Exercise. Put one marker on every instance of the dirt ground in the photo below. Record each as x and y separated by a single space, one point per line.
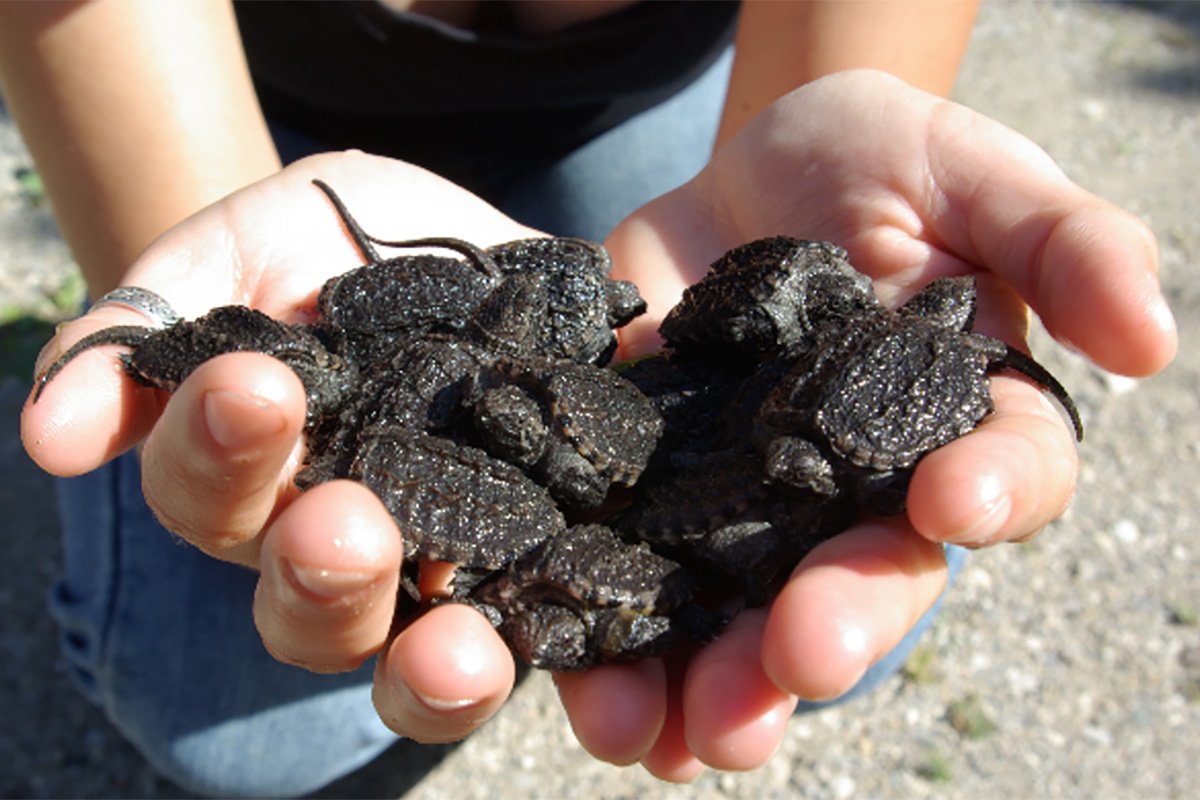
1065 667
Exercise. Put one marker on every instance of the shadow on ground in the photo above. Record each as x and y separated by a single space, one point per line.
1180 31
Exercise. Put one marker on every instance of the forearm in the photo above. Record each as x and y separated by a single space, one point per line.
137 114
782 45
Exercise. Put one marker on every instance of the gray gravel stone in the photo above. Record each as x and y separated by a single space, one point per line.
1081 647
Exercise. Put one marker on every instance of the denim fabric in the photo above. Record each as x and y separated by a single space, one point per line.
162 636
587 193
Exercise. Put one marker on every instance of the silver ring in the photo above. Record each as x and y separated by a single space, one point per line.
145 302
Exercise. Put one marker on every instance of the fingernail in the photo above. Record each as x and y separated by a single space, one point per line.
834 694
330 584
1160 312
442 705
240 422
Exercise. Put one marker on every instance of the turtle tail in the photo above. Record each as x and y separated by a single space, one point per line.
129 335
364 240
1018 361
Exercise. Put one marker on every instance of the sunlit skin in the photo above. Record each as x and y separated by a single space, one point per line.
946 192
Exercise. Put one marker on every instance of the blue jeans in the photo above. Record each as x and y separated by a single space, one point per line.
162 636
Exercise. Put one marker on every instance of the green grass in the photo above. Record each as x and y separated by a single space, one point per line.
921 667
968 718
1184 614
33 191
935 768
24 329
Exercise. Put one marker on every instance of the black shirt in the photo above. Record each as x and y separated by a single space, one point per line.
477 105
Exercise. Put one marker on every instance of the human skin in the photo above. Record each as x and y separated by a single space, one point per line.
781 45
946 192
137 114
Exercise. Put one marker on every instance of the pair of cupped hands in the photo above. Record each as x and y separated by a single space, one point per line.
912 186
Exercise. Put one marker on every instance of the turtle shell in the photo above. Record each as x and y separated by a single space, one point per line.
588 567
768 295
906 391
698 496
583 303
883 393
603 416
369 312
453 502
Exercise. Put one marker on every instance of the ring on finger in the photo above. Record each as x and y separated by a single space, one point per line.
147 303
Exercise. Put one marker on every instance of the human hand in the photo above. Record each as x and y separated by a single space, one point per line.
220 453
914 188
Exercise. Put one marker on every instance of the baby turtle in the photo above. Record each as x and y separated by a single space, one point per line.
769 296
596 428
163 357
585 597
583 305
719 514
879 391
390 300
452 502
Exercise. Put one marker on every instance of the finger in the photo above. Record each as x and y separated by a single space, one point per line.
90 412
1005 480
735 715
848 603
330 572
616 710
443 676
663 247
213 468
1097 291
670 758
1087 267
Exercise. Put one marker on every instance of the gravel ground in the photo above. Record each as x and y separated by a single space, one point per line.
1065 667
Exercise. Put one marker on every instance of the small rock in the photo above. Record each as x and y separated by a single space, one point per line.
1126 531
1118 384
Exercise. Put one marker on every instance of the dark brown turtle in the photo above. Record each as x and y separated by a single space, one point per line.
720 512
585 597
769 296
583 305
452 502
879 391
163 357
367 311
599 429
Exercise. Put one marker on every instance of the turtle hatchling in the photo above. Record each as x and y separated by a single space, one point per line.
586 597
